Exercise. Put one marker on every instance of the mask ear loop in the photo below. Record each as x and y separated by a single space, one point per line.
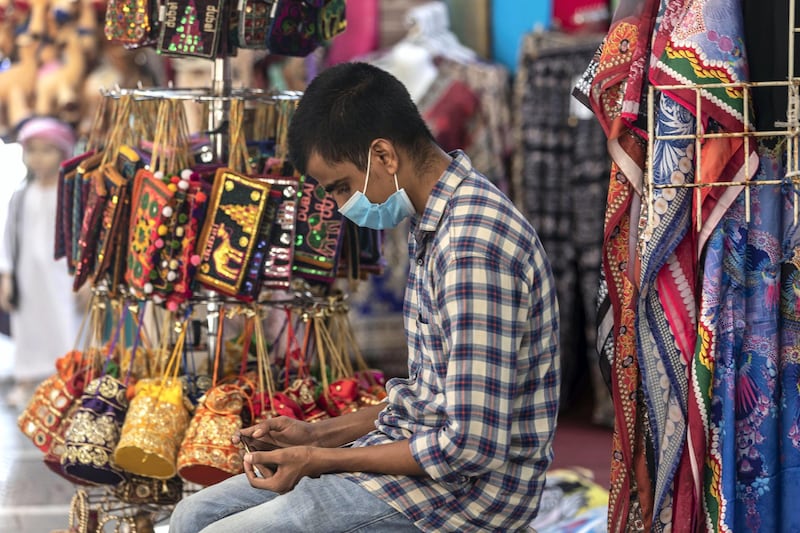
369 165
396 186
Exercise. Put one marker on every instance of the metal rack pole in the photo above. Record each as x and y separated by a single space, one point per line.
218 124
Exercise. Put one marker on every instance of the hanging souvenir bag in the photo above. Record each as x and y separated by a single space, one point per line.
158 194
240 160
172 250
284 187
150 207
318 237
318 223
118 179
46 412
94 430
90 229
253 23
298 382
130 22
157 418
331 19
44 419
293 28
65 190
230 231
182 265
207 454
73 189
122 164
135 489
192 28
52 458
104 184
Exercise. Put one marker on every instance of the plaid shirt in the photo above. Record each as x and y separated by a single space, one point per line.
479 405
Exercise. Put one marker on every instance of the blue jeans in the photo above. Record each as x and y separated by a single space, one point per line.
327 504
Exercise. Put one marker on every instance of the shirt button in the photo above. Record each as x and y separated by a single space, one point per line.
420 262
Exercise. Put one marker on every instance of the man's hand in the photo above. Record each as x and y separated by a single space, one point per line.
280 432
280 470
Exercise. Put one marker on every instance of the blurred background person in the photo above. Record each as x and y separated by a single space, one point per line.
34 288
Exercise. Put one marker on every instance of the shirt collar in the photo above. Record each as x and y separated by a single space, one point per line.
458 169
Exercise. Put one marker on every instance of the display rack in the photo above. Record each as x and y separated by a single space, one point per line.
299 297
788 132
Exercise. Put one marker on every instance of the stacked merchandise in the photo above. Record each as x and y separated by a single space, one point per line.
168 226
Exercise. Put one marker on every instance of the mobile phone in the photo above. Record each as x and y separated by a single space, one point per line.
256 445
246 442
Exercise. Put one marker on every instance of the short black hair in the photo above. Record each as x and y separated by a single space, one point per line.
348 106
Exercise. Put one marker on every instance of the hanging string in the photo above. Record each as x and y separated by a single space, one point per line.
101 124
286 110
264 122
171 152
238 156
121 131
139 321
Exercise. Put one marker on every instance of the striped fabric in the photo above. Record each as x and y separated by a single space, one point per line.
479 406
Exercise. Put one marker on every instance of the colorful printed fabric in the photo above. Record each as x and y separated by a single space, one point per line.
665 321
747 364
702 42
618 65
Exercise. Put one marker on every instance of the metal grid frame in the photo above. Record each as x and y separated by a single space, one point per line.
788 130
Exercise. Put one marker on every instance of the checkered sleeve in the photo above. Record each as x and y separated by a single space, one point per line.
483 308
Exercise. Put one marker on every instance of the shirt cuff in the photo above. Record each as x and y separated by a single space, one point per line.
427 452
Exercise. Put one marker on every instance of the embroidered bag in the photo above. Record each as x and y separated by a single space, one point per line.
192 28
94 430
157 418
129 22
44 420
230 231
207 454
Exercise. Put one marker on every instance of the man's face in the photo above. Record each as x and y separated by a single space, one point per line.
342 180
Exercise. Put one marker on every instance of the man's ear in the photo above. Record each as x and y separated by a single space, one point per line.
385 154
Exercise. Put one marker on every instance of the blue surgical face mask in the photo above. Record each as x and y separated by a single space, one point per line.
378 216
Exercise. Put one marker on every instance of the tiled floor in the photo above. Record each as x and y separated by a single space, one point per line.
34 500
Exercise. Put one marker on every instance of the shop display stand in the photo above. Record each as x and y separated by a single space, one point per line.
100 499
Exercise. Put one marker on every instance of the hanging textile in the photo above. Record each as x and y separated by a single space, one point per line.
491 140
706 401
612 87
560 178
748 360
